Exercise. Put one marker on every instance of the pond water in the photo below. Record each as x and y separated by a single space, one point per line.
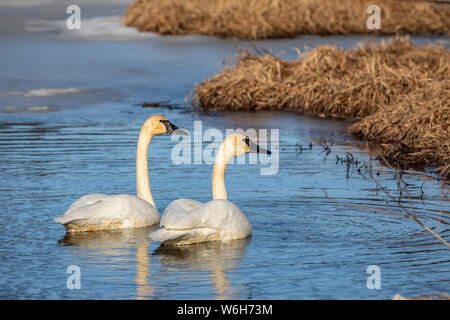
308 241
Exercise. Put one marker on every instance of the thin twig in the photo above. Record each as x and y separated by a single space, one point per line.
412 215
363 207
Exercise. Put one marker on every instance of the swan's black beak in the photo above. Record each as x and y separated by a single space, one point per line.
254 148
171 128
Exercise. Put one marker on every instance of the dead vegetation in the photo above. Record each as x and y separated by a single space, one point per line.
261 19
432 296
415 131
399 92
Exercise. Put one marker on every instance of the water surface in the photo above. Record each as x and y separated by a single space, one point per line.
58 146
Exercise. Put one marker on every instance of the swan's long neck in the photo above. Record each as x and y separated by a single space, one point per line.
142 183
224 155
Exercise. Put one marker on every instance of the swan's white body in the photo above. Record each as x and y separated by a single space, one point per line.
102 212
187 221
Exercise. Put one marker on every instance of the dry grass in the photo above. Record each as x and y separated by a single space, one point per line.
433 296
400 93
415 131
260 19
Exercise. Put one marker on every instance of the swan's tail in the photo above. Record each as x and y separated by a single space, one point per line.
164 235
181 237
62 220
58 220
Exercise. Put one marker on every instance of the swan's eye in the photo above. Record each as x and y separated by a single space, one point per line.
255 148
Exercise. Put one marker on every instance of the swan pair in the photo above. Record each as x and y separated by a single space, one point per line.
184 221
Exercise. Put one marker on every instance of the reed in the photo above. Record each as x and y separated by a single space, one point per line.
399 92
261 19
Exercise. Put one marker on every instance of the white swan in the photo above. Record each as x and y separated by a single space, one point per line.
102 212
187 221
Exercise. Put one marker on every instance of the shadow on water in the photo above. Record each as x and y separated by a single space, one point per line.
107 243
105 239
216 258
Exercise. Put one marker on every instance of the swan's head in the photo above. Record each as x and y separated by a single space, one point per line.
240 144
159 125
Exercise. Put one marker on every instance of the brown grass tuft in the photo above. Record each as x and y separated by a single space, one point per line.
433 296
400 93
414 131
260 19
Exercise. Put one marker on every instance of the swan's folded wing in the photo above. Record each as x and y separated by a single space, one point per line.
87 200
210 215
177 210
94 210
215 220
86 210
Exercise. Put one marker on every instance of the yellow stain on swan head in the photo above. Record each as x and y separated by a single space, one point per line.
236 144
239 144
158 124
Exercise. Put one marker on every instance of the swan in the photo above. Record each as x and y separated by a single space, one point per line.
121 211
187 221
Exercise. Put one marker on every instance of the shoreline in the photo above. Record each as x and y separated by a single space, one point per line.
399 93
265 19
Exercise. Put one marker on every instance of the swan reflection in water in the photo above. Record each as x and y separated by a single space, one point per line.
115 245
217 258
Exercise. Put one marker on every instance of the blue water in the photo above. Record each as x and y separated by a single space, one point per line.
305 245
